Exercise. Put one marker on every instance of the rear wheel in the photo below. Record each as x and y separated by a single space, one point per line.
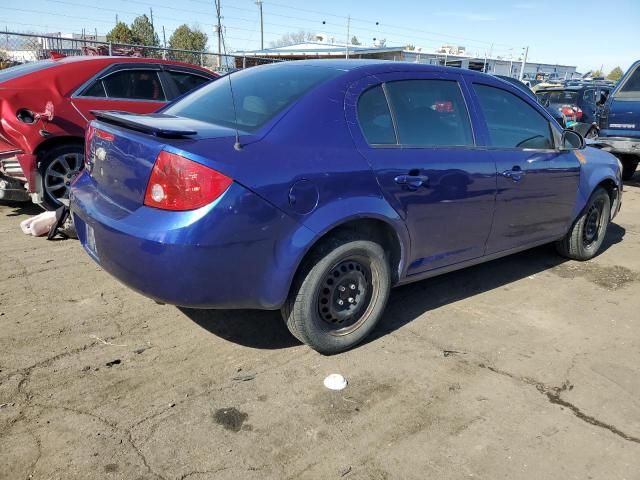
340 294
585 238
58 167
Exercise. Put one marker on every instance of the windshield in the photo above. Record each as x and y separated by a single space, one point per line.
259 93
630 90
19 70
558 97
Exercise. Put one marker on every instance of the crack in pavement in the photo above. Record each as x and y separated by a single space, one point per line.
553 394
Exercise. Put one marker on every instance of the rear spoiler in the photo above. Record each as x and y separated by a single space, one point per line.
157 124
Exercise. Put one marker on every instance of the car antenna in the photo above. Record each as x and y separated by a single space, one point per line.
237 145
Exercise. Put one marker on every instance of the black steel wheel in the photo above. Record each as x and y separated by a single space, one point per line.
584 239
339 294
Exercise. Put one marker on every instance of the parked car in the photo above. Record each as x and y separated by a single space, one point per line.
328 183
579 104
557 114
41 148
620 121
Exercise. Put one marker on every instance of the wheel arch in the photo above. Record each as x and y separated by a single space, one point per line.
57 141
391 235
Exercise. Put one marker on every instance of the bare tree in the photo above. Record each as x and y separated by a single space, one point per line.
292 38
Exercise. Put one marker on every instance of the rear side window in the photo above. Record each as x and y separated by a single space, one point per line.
430 113
134 85
260 93
185 82
95 90
375 117
511 121
631 88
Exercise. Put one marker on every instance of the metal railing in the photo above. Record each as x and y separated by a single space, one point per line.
17 48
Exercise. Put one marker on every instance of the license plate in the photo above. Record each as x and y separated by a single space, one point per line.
91 240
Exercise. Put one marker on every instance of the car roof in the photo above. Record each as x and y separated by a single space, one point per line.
370 66
122 59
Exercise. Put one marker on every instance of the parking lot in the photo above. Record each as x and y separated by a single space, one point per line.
525 367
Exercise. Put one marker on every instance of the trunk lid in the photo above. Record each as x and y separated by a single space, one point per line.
121 150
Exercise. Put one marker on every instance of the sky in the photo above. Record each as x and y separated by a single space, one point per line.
587 33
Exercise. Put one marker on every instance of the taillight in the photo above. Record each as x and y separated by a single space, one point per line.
578 113
88 138
568 111
177 183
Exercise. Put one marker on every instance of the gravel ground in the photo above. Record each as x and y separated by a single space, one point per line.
526 367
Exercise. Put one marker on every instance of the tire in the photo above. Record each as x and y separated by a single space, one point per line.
629 165
342 269
585 237
58 167
591 133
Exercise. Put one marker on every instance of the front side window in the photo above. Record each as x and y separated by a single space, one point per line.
630 90
375 118
430 113
134 85
511 121
589 96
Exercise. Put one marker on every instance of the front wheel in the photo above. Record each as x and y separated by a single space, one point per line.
340 294
585 238
58 168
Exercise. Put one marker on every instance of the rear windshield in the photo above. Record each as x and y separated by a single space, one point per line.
19 70
259 93
559 97
630 90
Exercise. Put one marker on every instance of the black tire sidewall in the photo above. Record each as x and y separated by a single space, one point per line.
577 248
307 324
48 202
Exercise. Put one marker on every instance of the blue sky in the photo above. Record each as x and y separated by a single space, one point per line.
586 33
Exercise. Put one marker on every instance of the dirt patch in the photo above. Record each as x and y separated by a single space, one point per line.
231 419
609 277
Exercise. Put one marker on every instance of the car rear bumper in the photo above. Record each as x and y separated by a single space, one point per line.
239 252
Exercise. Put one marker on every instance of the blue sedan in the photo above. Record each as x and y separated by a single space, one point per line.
315 186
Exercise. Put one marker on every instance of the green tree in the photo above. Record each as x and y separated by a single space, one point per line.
292 38
187 38
355 41
597 73
615 74
121 33
410 47
143 32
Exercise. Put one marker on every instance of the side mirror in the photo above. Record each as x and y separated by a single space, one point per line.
571 141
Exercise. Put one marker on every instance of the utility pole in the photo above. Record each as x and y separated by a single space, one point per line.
164 38
151 18
259 3
524 62
116 18
219 31
346 55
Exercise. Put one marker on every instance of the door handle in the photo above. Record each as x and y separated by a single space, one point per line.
516 173
412 182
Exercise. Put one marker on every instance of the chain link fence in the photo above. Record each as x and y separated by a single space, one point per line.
19 48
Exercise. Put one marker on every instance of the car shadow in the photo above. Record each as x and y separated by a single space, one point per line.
408 302
21 208
266 330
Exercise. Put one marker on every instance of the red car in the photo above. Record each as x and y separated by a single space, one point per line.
45 107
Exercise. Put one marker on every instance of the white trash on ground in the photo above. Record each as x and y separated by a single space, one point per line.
38 225
335 381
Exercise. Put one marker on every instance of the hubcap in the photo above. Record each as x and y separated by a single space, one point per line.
60 173
345 295
593 222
